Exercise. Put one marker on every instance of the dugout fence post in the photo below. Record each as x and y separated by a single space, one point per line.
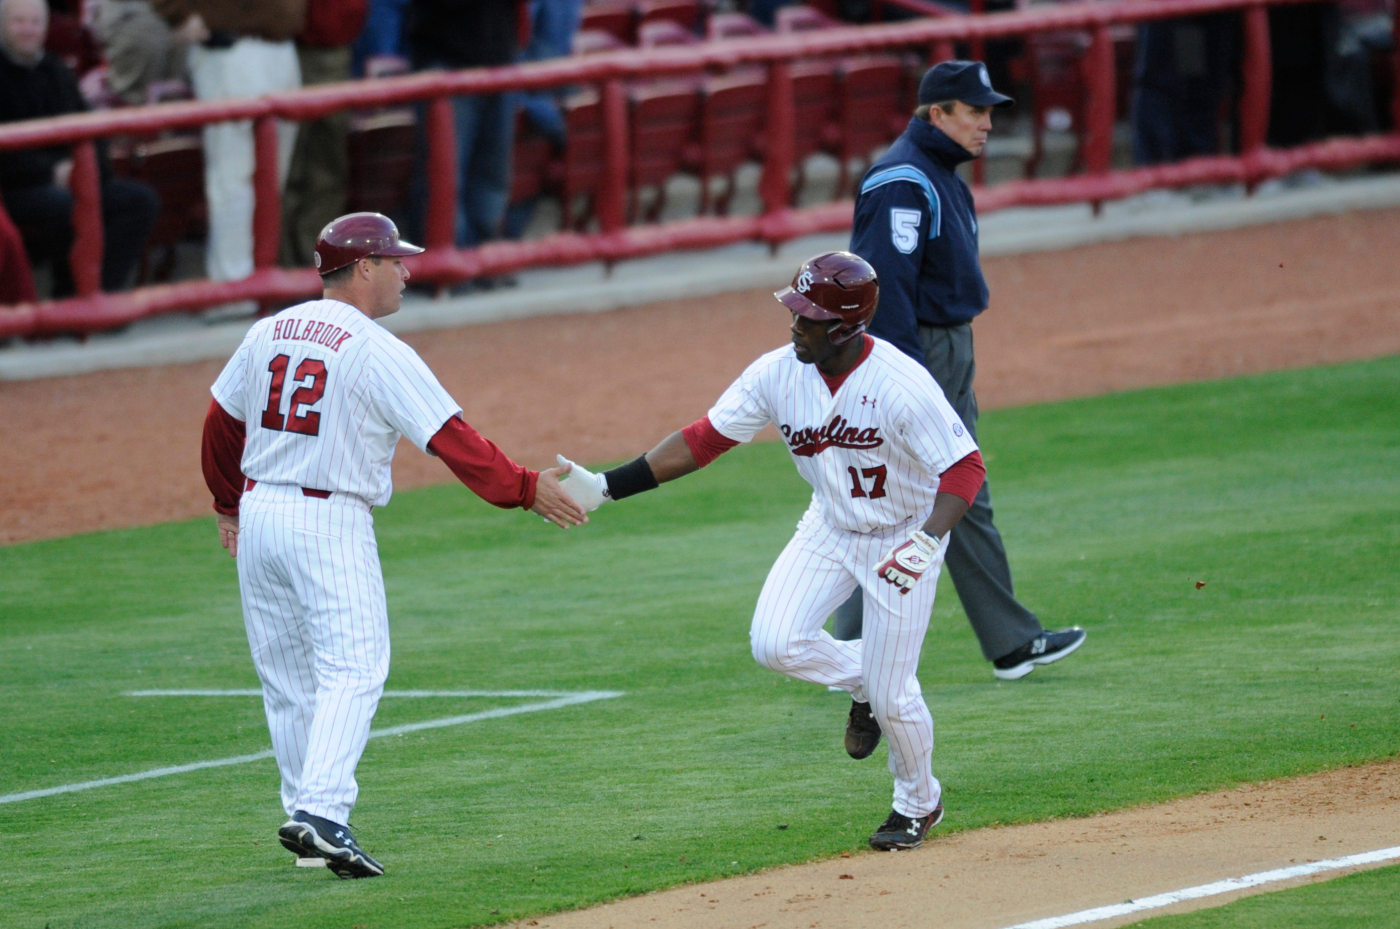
1101 105
85 257
977 51
1256 70
440 225
267 197
610 204
775 186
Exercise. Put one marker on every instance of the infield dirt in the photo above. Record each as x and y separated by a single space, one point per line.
122 448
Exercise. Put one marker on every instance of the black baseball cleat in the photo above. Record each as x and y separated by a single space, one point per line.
862 731
1046 648
905 832
308 836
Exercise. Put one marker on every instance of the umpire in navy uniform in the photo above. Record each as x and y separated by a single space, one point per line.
916 223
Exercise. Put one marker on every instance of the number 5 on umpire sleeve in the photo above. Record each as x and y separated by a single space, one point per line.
904 229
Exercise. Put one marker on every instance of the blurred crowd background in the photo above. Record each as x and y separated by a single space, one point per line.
1178 83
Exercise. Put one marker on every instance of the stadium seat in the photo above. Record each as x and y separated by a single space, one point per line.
662 131
592 41
174 166
802 19
868 107
733 26
617 17
1052 66
733 110
684 13
531 156
580 171
661 33
814 99
168 91
381 153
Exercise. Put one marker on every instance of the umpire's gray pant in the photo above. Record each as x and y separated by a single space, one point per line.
976 560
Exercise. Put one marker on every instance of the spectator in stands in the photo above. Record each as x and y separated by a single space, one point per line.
140 48
35 182
450 34
1185 69
238 50
320 163
553 24
384 35
1321 75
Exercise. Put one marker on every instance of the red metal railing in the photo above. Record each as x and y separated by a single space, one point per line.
92 310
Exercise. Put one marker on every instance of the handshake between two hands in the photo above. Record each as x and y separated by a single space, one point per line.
567 494
585 488
902 567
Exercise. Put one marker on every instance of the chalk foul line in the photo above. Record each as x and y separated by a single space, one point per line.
560 700
1211 890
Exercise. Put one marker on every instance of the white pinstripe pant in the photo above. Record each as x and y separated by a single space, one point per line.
816 572
318 628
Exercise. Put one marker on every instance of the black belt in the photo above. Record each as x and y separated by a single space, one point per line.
305 491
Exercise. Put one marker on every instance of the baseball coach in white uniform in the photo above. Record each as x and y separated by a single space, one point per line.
297 450
892 469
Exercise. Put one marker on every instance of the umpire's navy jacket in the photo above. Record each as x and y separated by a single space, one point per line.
915 223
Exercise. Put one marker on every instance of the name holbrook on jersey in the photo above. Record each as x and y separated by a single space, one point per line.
837 433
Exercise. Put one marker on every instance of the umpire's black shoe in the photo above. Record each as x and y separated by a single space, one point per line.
308 836
900 831
862 731
1046 648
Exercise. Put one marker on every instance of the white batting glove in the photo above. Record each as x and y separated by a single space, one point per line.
585 487
908 562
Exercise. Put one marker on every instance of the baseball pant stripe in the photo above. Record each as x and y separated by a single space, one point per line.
817 570
318 627
804 585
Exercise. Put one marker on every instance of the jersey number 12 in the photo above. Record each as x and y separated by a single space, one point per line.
304 395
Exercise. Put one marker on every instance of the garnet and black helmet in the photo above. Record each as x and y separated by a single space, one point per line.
838 287
354 236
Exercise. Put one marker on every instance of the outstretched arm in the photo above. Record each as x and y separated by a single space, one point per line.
672 458
493 477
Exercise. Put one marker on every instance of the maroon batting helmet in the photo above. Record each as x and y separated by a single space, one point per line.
359 235
836 286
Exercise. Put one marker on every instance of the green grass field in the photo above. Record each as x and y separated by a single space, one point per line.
1370 899
1282 492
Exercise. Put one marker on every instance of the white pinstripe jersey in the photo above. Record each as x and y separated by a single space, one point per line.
872 452
326 392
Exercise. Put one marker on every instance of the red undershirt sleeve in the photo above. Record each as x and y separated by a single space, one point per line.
964 478
483 467
706 443
221 456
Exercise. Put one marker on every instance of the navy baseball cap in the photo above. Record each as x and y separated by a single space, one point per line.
967 81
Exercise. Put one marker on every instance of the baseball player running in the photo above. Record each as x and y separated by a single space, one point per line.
892 470
298 444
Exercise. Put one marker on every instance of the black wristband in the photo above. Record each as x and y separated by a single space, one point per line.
631 478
